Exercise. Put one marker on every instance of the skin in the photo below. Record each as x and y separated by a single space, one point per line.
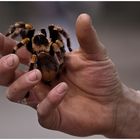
89 97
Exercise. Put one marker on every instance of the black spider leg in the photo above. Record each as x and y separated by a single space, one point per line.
56 38
43 31
15 29
14 34
55 34
52 53
33 60
20 44
10 30
30 35
31 67
64 33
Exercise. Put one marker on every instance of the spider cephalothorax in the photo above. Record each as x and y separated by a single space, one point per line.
47 54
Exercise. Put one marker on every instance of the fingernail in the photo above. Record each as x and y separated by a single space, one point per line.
10 60
33 75
62 88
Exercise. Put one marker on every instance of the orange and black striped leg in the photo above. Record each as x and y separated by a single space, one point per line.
32 62
31 67
10 30
65 34
57 56
20 44
69 45
15 34
67 39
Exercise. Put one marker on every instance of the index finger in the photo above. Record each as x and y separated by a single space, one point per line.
6 46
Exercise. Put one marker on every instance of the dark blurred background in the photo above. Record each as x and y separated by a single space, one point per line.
118 26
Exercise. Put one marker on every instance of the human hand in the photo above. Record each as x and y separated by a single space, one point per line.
8 63
85 101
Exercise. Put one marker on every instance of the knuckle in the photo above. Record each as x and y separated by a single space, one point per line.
49 120
41 122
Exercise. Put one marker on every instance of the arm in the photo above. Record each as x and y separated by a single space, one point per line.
127 115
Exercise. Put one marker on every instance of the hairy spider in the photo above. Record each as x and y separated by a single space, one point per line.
47 54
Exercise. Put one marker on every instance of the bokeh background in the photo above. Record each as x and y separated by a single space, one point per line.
118 26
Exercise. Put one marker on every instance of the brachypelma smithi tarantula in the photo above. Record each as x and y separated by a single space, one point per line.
47 53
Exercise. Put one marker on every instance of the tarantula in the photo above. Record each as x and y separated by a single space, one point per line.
47 54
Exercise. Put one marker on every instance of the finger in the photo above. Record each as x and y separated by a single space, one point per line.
47 112
8 64
24 55
17 90
88 39
6 46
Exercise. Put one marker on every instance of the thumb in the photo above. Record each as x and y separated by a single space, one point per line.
48 112
88 39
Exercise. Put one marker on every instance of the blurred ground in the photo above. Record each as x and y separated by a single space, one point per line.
118 26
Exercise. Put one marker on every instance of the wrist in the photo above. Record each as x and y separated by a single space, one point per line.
127 115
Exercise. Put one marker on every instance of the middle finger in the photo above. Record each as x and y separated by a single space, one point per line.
19 88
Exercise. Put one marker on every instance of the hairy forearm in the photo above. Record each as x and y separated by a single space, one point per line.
127 120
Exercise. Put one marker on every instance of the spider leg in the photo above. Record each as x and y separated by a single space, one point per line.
31 67
60 62
20 44
17 28
32 62
14 34
14 30
57 52
64 34
60 45
10 30
43 31
58 56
